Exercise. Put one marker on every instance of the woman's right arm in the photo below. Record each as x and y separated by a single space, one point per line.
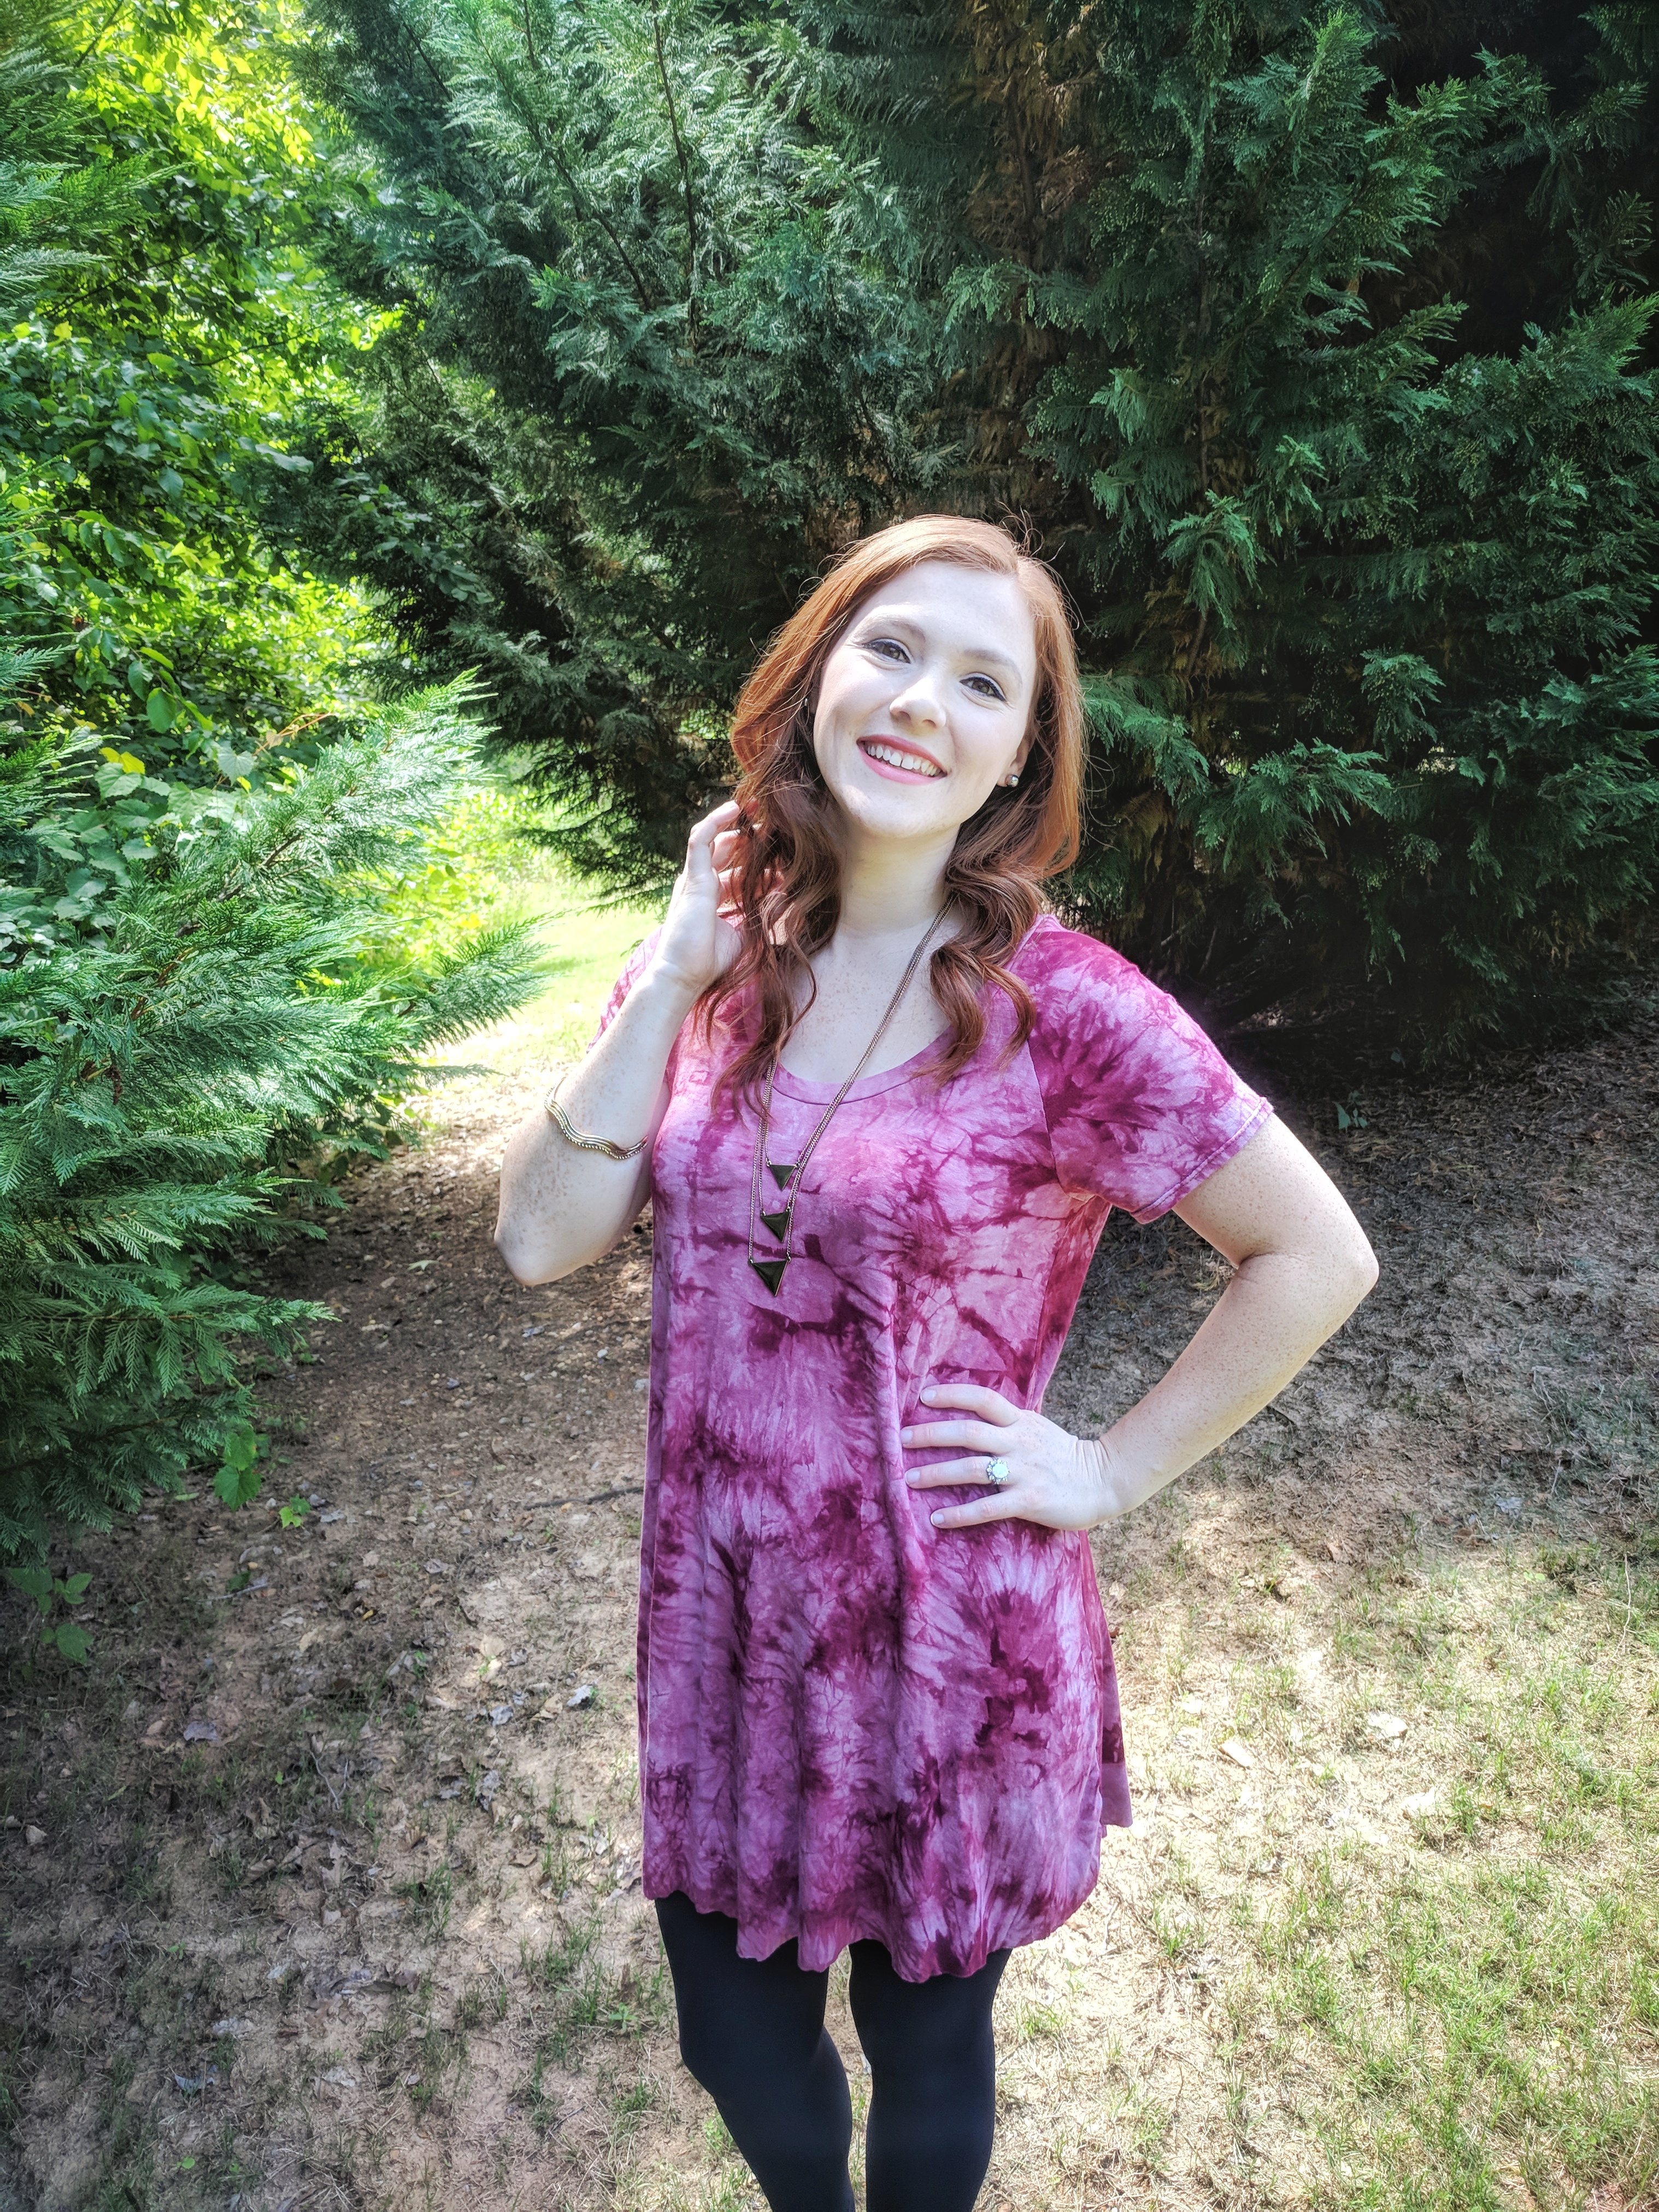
562 1208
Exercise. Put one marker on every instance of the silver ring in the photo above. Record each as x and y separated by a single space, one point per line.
998 1471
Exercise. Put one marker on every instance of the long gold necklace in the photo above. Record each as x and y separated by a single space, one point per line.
788 1174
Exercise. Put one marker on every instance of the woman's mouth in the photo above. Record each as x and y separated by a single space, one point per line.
902 762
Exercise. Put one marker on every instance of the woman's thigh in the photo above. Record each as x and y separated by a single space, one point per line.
738 2017
945 2021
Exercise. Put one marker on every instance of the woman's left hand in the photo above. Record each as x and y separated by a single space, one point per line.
1054 1479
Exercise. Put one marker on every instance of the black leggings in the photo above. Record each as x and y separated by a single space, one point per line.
751 2031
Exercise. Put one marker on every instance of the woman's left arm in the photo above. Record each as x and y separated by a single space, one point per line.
1301 1263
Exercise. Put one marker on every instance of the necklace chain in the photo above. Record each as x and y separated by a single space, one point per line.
788 1173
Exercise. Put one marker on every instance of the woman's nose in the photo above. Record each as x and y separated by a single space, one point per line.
919 702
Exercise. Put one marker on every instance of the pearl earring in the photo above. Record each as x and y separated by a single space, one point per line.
1014 779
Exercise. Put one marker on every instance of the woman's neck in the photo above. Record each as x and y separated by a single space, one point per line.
889 888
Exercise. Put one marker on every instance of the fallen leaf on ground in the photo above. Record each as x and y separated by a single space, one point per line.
1388 1725
1240 1753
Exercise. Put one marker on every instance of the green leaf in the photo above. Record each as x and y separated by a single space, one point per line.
160 711
241 1447
237 1486
33 1582
71 1641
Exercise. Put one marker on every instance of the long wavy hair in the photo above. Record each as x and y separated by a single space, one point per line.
786 875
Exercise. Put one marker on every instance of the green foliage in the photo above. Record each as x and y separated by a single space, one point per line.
51 1592
237 1482
687 296
204 999
164 1080
172 328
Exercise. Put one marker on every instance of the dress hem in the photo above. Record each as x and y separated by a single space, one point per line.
815 1956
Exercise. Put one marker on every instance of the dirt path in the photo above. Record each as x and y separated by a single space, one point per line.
338 1900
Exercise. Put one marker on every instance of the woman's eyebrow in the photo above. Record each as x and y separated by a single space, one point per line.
1002 659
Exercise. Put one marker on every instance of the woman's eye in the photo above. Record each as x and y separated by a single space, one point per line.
889 645
990 690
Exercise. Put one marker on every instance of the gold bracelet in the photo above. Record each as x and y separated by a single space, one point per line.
568 1129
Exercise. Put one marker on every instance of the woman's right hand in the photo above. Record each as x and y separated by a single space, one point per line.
697 942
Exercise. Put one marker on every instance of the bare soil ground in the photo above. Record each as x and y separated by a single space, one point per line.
336 1898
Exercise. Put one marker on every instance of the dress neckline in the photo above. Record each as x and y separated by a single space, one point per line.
795 1086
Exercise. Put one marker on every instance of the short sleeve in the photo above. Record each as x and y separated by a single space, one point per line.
633 968
1141 1107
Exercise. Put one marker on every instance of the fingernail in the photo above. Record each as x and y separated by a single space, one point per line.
937 1520
928 1392
905 1434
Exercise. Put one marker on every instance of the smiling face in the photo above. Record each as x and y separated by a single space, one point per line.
923 705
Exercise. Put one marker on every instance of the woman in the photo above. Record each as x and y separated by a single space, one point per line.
876 1697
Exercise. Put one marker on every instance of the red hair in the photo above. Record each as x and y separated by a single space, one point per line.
786 877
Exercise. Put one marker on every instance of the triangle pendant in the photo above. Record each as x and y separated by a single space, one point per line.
782 1171
770 1271
778 1223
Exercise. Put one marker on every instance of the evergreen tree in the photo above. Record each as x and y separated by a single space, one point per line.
163 321
201 983
1365 579
1378 702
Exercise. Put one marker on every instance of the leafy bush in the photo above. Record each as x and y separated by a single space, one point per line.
162 1076
203 988
171 330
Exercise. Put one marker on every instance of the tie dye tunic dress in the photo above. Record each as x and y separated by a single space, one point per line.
852 1723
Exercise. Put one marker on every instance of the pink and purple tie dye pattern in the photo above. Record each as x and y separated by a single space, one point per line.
852 1723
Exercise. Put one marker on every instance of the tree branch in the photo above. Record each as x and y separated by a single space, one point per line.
680 155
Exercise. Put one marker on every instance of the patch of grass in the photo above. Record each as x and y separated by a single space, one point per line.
555 1865
1039 2023
1486 2009
379 2046
433 1896
428 2058
629 2105
588 942
574 1997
